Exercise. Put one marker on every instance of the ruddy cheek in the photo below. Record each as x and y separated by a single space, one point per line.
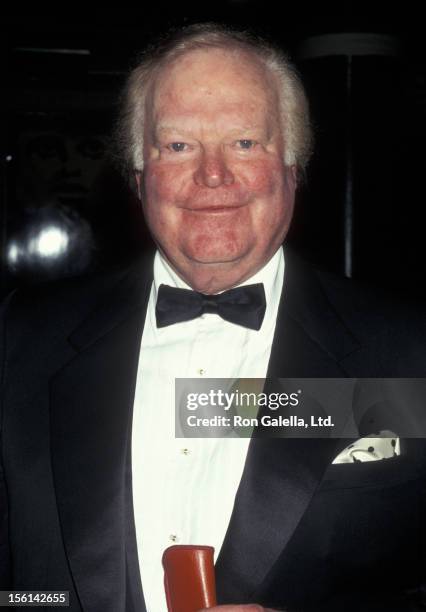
159 184
263 177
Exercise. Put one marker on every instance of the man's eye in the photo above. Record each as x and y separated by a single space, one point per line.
177 147
246 144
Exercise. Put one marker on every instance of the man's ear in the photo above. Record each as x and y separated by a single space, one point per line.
138 179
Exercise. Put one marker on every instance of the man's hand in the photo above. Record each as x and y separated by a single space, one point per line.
243 608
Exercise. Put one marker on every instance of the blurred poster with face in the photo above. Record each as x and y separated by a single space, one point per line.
49 233
57 167
67 210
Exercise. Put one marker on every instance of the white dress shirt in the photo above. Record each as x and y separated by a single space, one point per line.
184 489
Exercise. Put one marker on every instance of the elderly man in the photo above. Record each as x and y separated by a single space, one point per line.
215 129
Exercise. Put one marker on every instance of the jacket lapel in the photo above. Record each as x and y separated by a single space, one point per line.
281 475
91 414
310 338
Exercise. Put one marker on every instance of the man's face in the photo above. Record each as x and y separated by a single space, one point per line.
216 194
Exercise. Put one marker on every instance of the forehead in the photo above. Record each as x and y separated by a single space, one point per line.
214 82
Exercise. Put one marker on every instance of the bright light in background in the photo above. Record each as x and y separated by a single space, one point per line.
13 253
52 241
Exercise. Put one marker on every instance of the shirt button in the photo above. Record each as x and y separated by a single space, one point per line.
201 372
173 537
185 451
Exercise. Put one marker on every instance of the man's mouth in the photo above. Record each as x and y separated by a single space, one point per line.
216 209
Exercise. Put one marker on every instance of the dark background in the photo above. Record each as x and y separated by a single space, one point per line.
66 211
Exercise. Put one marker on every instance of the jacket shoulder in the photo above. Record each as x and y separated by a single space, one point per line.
55 308
369 311
377 333
390 330
38 323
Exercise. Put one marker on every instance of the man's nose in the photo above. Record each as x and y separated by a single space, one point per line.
213 170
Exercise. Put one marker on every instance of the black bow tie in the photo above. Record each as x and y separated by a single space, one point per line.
243 305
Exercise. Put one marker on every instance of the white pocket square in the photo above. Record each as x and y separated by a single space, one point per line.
371 448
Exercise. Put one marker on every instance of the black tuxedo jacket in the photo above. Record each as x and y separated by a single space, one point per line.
304 534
